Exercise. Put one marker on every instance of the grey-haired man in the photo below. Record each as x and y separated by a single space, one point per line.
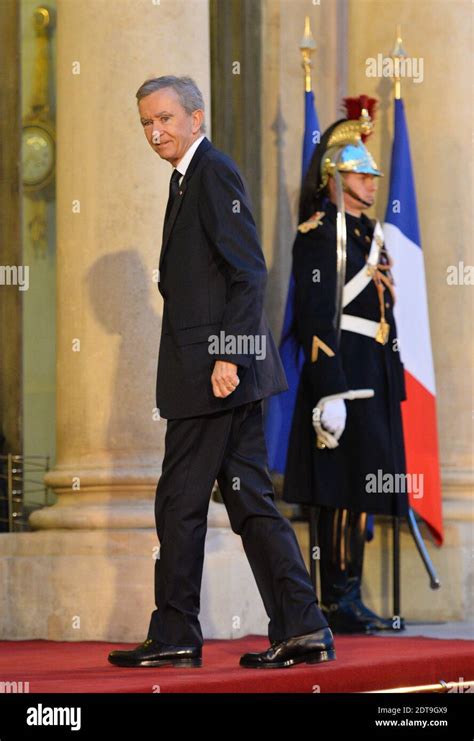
212 279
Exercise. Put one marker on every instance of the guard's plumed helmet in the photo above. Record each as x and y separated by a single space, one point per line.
341 147
350 135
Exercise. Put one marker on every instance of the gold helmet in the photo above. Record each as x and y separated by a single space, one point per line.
344 148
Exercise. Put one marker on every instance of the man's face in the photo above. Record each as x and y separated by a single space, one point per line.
365 186
169 129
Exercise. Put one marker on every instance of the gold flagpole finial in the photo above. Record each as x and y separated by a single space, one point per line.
398 54
307 48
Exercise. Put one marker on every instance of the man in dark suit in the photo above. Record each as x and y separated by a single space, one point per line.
217 361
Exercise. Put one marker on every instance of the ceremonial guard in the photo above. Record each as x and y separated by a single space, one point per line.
347 422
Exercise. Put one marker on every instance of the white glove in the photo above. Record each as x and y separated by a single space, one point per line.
333 417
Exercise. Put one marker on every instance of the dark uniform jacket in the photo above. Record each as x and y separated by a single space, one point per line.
373 437
212 279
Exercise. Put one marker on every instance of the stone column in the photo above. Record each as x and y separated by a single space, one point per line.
111 194
90 573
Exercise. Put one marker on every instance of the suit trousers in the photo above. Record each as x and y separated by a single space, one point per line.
228 446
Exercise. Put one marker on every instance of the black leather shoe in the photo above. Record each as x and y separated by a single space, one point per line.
312 648
155 653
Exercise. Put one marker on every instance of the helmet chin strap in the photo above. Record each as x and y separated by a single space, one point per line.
354 195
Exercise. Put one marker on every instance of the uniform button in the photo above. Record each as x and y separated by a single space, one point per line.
357 232
387 305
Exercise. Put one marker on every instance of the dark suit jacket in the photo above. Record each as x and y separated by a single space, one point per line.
212 279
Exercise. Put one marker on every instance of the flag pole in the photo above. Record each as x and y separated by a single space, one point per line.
398 55
307 49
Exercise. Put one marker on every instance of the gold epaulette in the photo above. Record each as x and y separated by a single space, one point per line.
312 223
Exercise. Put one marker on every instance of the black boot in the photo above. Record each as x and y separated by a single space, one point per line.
333 533
357 539
342 536
353 602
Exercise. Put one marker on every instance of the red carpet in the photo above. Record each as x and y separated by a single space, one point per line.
363 664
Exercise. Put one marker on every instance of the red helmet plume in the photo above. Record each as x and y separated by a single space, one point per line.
354 106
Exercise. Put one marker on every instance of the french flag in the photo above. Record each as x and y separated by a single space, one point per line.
280 408
402 238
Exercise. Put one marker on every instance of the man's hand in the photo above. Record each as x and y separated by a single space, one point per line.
224 378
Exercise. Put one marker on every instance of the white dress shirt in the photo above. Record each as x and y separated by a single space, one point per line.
184 162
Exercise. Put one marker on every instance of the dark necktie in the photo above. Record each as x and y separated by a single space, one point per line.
174 189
